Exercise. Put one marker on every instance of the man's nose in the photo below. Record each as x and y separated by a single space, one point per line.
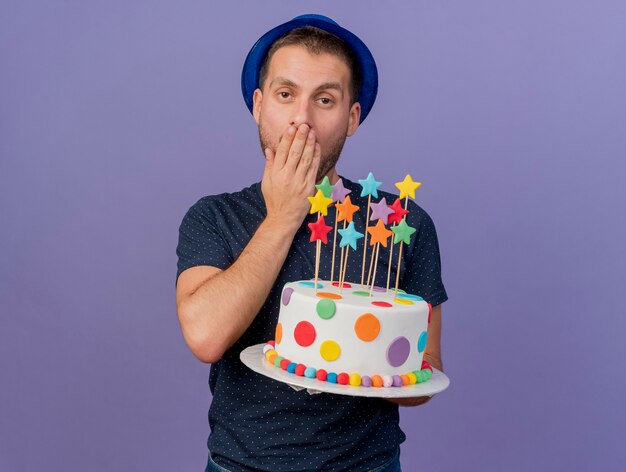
302 114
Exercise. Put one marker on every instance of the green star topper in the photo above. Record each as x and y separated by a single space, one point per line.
402 232
325 187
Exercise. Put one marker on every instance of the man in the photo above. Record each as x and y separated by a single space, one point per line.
308 83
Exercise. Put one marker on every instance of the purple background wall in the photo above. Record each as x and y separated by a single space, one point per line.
115 117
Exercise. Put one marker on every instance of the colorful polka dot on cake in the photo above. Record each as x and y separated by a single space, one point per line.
421 342
409 296
287 295
330 350
304 333
309 284
279 333
382 304
402 302
332 296
398 351
326 308
367 327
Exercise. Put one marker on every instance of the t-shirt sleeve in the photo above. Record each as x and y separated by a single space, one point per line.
200 241
423 275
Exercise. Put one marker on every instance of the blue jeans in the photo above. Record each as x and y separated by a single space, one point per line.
393 465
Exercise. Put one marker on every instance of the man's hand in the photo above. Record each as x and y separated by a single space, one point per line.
289 176
411 401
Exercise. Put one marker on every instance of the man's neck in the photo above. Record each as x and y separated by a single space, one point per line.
332 176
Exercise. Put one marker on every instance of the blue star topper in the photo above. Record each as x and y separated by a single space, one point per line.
370 186
349 236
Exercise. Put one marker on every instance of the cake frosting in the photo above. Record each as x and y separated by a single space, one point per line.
351 336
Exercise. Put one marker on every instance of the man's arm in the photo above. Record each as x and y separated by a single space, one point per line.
216 306
432 355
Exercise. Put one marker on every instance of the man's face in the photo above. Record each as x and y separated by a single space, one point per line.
307 88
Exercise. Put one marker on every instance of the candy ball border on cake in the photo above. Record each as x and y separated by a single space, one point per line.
343 378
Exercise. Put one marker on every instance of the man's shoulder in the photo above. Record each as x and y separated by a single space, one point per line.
248 195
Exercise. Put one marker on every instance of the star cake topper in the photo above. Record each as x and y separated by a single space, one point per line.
319 230
379 234
319 203
407 187
403 232
349 236
346 210
325 187
339 192
398 212
370 186
380 211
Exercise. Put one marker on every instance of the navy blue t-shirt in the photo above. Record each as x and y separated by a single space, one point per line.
259 424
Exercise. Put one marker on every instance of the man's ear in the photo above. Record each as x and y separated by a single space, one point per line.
355 116
257 98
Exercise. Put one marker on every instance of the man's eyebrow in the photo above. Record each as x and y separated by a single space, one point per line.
282 81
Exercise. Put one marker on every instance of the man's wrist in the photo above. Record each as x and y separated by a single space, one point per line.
281 226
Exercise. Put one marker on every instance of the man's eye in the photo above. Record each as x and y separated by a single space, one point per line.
326 101
284 94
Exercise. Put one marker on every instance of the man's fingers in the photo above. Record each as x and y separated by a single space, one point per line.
311 176
297 146
307 157
282 150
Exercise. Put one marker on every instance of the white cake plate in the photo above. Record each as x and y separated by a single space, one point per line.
253 358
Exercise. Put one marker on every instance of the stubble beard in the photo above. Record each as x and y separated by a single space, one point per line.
328 159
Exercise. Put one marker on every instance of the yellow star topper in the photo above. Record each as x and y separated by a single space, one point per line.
320 203
407 187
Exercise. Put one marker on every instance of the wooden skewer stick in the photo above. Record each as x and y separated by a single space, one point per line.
345 266
398 269
317 262
332 264
390 260
369 272
375 265
341 269
367 222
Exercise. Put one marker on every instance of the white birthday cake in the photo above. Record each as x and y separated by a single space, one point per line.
369 338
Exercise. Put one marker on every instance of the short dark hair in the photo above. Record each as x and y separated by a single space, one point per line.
317 41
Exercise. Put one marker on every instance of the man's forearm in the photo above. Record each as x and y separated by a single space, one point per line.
218 312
